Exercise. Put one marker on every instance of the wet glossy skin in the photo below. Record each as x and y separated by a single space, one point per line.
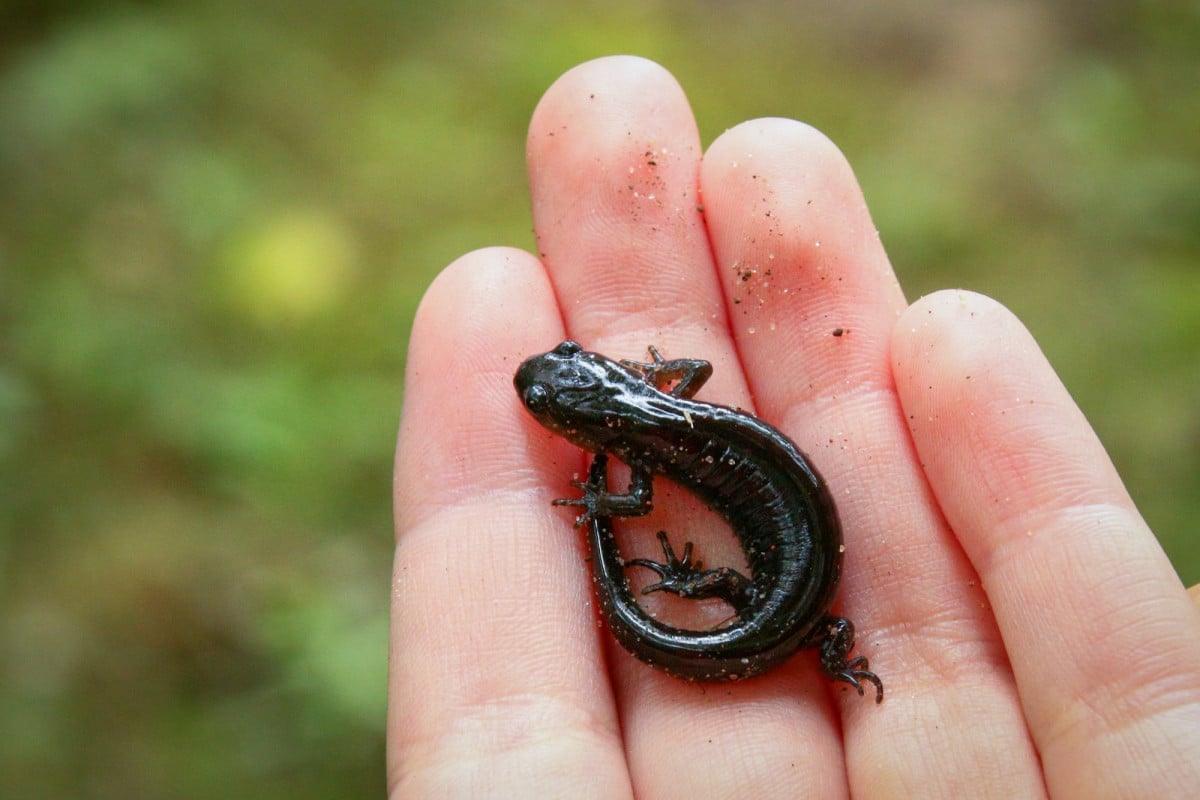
745 470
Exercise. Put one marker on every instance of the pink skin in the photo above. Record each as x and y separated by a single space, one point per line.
1033 638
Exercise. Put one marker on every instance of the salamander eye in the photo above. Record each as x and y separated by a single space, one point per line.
568 348
537 397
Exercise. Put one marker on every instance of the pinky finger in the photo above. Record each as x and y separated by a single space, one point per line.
1102 638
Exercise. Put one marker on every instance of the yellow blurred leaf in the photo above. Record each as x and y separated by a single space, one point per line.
292 268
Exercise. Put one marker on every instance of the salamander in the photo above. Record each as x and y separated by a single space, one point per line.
753 476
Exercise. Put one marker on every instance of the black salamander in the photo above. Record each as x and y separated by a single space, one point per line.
745 470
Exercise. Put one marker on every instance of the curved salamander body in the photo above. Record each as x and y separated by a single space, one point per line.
745 470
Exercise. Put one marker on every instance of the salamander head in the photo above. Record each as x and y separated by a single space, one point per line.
571 392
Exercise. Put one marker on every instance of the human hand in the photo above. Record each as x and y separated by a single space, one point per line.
1032 636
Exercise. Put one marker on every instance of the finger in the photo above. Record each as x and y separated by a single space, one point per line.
1102 637
614 155
813 301
495 676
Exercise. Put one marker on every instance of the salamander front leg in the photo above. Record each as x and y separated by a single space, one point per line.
691 373
683 577
597 501
835 636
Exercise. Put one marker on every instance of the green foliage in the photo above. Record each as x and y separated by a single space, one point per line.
216 221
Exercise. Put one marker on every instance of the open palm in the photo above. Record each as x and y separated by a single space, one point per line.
1031 634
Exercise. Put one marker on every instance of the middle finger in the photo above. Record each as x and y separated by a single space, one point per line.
614 157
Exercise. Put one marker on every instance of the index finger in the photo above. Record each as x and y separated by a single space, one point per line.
496 678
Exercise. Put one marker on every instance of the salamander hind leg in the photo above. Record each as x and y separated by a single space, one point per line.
681 576
835 637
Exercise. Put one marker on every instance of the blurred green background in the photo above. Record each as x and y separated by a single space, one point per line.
216 220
